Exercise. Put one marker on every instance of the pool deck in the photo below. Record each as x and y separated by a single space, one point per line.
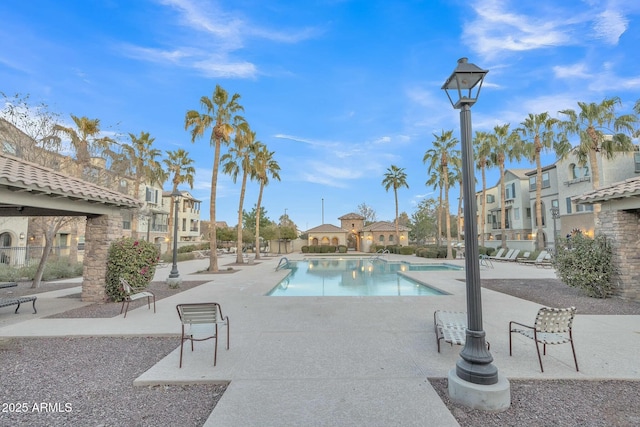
339 361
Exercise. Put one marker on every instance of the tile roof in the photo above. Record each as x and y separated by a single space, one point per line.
351 215
17 174
327 228
619 190
384 226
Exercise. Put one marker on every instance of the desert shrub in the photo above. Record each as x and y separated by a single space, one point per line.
54 269
585 263
134 260
407 250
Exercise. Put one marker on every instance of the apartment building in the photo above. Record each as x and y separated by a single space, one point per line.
188 216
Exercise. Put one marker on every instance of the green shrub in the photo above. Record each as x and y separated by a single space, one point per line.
305 249
407 250
585 263
55 269
342 249
134 260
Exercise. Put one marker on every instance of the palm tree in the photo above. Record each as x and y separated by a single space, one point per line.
599 130
482 144
179 166
436 182
437 159
241 157
537 133
84 140
220 116
505 146
263 167
395 178
143 166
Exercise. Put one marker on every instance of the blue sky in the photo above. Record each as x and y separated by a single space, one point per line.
339 89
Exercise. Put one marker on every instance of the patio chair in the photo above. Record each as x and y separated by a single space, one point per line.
552 326
513 256
206 313
545 262
497 255
506 257
525 256
130 295
538 259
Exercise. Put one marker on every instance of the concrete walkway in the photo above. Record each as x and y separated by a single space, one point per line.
340 361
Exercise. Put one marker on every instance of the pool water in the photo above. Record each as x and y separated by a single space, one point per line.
353 277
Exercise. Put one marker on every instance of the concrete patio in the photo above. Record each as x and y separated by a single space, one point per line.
320 361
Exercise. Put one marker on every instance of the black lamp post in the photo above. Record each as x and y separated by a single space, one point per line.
475 364
555 214
174 268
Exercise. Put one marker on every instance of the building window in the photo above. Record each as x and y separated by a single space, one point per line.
510 192
381 238
532 183
568 205
390 238
516 213
546 183
528 213
491 198
151 195
555 203
577 172
636 159
584 208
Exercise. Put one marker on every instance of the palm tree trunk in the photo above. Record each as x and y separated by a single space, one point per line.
258 220
213 257
539 232
503 208
239 259
446 212
395 192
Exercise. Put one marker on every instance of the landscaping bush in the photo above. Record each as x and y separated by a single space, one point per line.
305 249
134 260
342 249
585 263
57 269
407 250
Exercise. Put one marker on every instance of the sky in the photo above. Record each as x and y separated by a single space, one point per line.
340 90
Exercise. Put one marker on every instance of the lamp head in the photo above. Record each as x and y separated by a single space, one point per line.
464 84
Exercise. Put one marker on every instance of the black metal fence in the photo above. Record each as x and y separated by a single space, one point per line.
26 256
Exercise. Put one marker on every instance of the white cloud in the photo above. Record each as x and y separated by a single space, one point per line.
610 25
571 71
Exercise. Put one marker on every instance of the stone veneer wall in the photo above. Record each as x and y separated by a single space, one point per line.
100 232
623 228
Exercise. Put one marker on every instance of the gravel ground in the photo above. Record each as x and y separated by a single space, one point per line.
96 382
89 382
564 403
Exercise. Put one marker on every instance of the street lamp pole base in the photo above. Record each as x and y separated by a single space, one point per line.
492 398
174 282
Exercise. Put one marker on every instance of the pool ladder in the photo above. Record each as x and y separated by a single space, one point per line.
379 254
282 264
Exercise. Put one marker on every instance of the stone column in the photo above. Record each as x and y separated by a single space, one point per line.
100 232
622 228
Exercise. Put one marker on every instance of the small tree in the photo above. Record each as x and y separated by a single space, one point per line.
134 260
585 263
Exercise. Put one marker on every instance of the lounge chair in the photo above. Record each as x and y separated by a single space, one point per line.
525 256
513 256
451 326
506 257
545 262
552 326
497 255
206 313
539 258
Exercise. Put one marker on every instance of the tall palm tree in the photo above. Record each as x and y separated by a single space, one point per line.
505 146
240 158
599 129
264 166
537 133
143 166
219 115
395 178
482 144
438 159
179 167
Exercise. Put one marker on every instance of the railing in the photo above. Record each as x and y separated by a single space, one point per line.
283 263
30 255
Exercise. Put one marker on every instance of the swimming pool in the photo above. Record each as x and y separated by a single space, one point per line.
353 277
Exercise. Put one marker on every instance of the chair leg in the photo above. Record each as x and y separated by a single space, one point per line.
215 348
575 359
181 345
539 358
510 350
126 309
227 334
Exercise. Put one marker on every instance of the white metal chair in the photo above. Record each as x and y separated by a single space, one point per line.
130 295
207 313
552 326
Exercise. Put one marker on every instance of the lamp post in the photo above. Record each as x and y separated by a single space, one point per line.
474 365
555 214
174 268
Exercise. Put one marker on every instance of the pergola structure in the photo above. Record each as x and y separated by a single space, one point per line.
31 190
